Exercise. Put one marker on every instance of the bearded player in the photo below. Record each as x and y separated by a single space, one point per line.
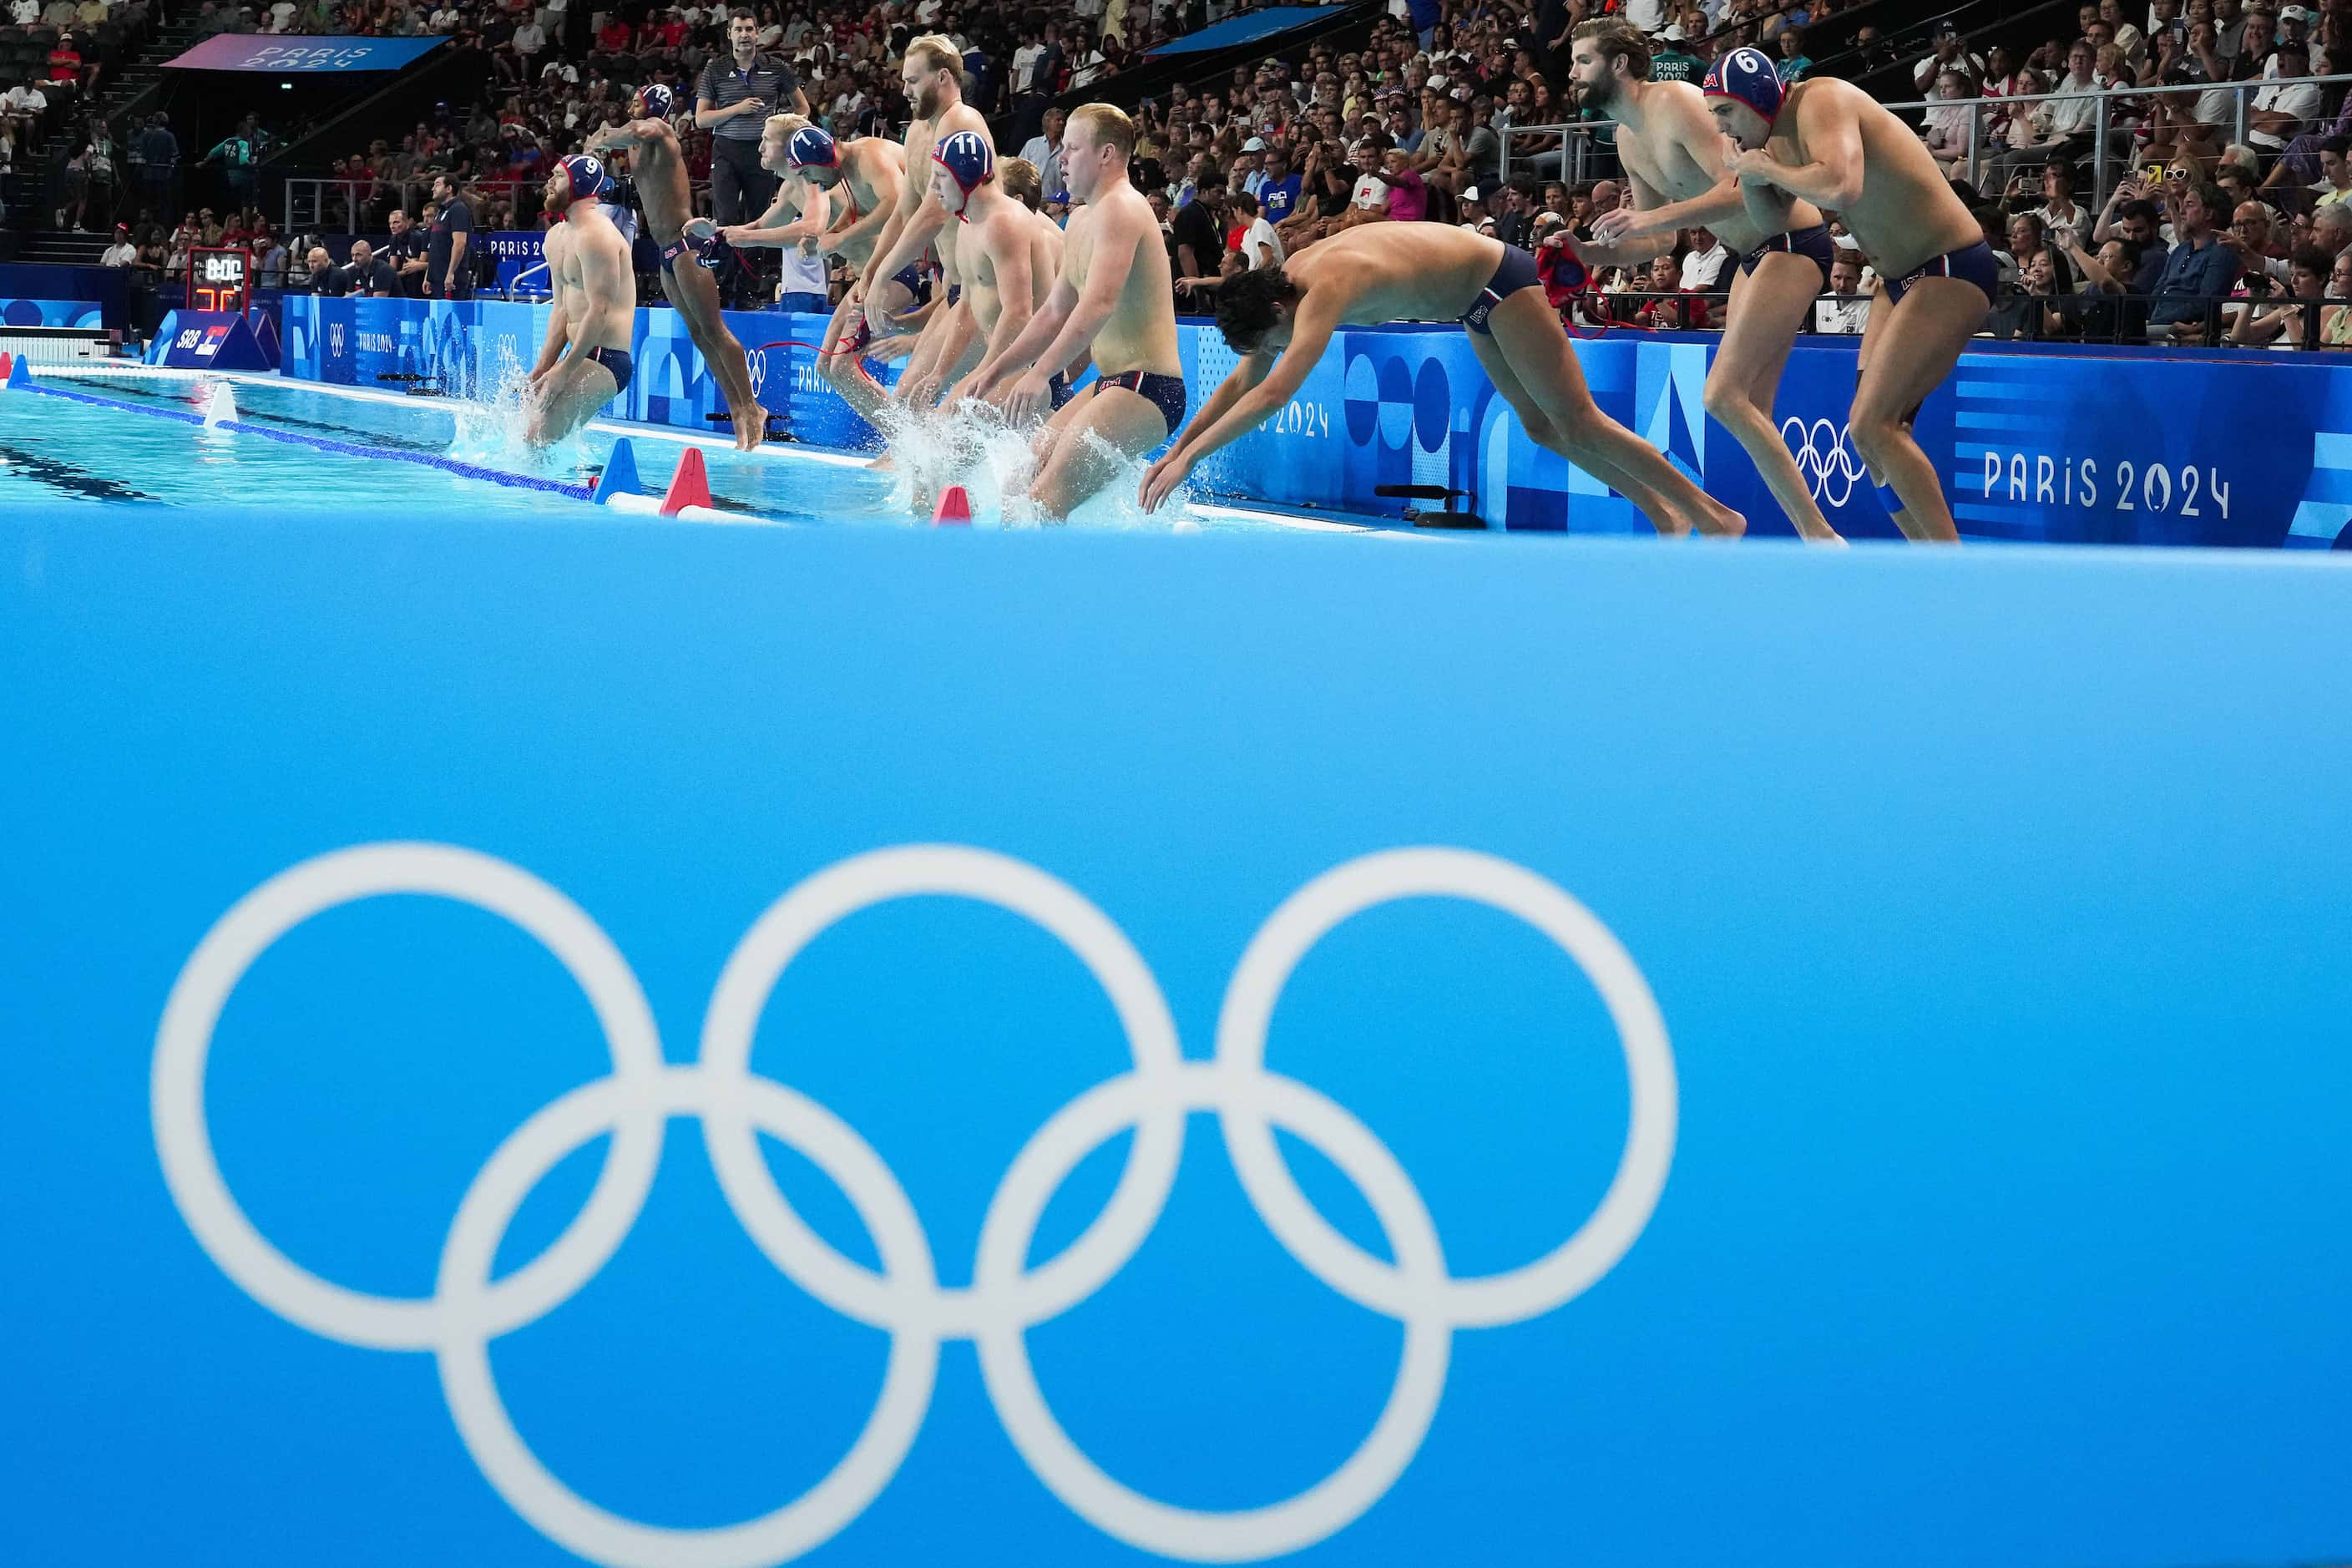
584 362
918 232
1672 152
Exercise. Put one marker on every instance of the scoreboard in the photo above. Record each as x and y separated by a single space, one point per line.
220 280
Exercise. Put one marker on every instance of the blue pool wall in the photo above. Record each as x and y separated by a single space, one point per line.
2214 448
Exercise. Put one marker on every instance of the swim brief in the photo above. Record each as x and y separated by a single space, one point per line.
1518 272
1813 244
1166 392
618 361
1970 263
1060 390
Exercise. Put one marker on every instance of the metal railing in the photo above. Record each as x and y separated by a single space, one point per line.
1578 154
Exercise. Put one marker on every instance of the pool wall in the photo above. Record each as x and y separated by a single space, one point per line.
1999 983
2214 449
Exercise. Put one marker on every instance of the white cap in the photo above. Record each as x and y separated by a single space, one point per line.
1673 33
1255 145
1471 195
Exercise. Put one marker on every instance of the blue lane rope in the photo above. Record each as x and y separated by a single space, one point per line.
326 444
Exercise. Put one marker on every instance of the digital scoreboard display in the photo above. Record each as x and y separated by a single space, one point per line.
220 280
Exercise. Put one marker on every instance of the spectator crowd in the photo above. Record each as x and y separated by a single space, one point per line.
2216 220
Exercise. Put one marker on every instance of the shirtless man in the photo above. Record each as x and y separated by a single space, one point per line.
867 174
1824 142
801 211
1673 154
932 76
585 362
1013 255
1114 297
690 247
1281 319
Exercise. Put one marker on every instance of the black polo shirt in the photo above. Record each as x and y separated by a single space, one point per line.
770 81
453 217
402 248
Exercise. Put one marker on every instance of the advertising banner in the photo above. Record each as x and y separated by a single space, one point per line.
208 339
2033 444
278 55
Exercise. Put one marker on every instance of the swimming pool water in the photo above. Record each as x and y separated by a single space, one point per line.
54 447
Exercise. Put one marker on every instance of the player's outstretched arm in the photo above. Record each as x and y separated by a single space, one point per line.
1247 374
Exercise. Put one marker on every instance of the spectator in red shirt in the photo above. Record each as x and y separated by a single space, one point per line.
65 63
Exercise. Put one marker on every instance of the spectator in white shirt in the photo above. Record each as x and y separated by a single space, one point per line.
25 12
1704 263
2062 127
2279 112
1024 59
2065 222
1848 317
1950 52
122 253
1260 247
530 41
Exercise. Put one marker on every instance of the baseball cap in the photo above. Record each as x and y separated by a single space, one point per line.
2294 14
1471 195
1255 145
1673 33
1945 26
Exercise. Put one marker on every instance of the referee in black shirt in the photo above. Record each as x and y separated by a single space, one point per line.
732 101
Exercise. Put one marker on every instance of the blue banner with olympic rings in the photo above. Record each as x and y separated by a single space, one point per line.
2039 446
647 1043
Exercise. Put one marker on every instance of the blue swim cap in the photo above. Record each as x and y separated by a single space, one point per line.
811 146
1746 74
967 157
587 176
659 100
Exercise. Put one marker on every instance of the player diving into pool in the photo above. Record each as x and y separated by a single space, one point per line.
1280 320
801 211
1825 142
866 175
1011 252
584 362
658 165
1672 152
932 76
1113 297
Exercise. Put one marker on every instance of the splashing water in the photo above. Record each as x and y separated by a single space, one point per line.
970 444
490 420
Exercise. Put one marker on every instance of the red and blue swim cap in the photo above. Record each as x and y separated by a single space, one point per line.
967 157
1746 74
811 146
587 176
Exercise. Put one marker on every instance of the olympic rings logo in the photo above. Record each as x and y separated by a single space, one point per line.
1832 462
1006 1297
